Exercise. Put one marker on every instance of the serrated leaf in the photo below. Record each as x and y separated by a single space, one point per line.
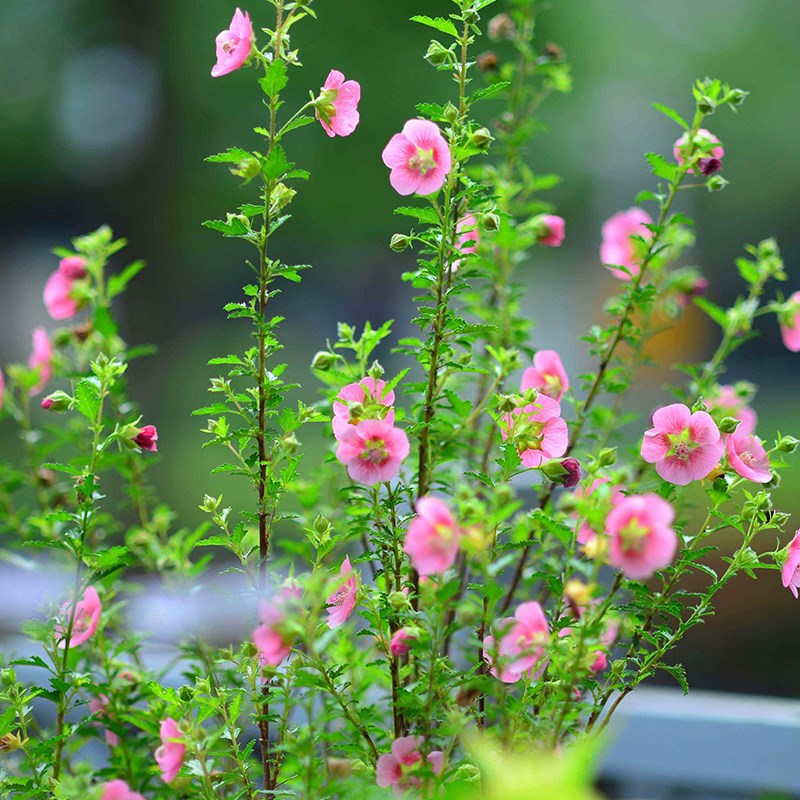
672 114
275 78
233 155
437 23
719 315
276 164
87 398
117 283
661 167
425 215
488 91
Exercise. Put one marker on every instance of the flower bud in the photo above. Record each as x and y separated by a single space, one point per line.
398 601
185 693
248 168
706 105
376 371
451 113
501 27
7 678
481 138
403 640
210 504
289 443
607 457
488 61
716 183
729 425
736 97
399 242
11 742
566 472
708 166
787 444
437 54
146 438
506 403
323 361
321 525
57 401
490 222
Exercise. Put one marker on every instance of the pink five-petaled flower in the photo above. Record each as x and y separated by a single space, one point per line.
586 532
272 638
41 359
790 571
234 45
401 641
361 400
746 455
552 230
547 375
85 619
337 105
58 291
372 451
99 705
641 537
789 321
419 158
432 538
518 644
538 430
684 446
342 602
119 790
146 438
731 405
705 143
169 756
467 238
400 768
617 248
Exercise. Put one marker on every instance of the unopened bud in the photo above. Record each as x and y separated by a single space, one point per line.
787 444
57 401
607 457
708 166
398 601
729 425
501 27
716 183
706 105
290 443
247 168
437 54
321 525
736 97
481 138
11 742
323 361
490 222
488 61
506 403
451 113
399 242
7 678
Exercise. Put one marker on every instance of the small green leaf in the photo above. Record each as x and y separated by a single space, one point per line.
661 167
275 78
425 215
87 398
672 114
117 283
488 91
437 23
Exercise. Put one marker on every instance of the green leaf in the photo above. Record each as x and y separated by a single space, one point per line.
437 23
719 315
678 672
276 164
104 323
87 398
275 79
117 283
672 114
233 155
297 123
488 91
661 167
425 215
432 110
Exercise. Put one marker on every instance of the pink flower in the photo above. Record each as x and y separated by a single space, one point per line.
169 756
467 238
746 455
372 451
400 768
642 539
790 571
401 642
419 158
146 438
2 389
553 228
731 405
617 248
337 105
685 447
520 650
119 790
342 602
272 638
547 375
73 267
234 45
41 358
607 639
613 494
538 430
85 619
367 399
704 141
99 705
432 538
58 291
789 321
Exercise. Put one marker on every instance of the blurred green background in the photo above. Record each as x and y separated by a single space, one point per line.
107 110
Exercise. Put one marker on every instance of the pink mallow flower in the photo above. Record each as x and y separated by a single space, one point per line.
538 430
146 438
618 249
746 455
99 705
789 321
432 538
234 45
551 230
467 238
519 644
367 399
85 619
641 537
790 571
372 451
59 289
705 143
119 790
272 638
684 446
613 493
401 641
547 375
2 389
170 755
342 602
401 768
731 405
419 158
337 105
41 359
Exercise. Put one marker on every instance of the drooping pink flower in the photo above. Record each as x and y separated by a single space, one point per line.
73 267
337 105
553 228
2 390
641 537
342 602
85 619
272 639
467 238
372 451
367 399
789 321
703 144
400 769
684 446
433 537
170 755
613 494
146 438
401 642
234 45
518 644
538 430
573 476
746 455
731 405
119 790
790 571
547 375
419 158
617 248
58 297
99 705
41 358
